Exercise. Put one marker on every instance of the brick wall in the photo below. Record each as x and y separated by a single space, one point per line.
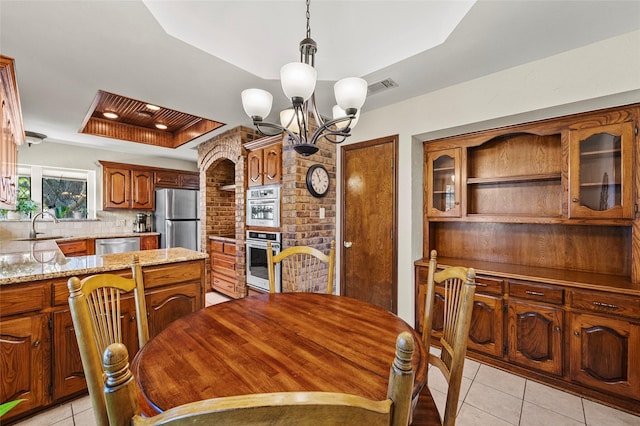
222 161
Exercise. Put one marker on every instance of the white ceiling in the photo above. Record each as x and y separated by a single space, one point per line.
66 51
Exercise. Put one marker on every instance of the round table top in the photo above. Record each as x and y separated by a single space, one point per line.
273 343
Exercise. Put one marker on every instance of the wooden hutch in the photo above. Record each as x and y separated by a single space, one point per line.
547 214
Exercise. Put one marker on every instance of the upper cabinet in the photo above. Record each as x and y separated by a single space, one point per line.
264 161
443 183
12 133
126 188
177 179
600 178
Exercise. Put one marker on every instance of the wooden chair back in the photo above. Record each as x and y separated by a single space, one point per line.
303 268
458 287
282 408
94 303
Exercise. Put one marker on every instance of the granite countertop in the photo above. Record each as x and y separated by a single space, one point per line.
96 237
23 261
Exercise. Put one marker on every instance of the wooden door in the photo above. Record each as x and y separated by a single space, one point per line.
22 349
169 304
604 354
117 188
254 168
272 168
143 195
369 222
535 336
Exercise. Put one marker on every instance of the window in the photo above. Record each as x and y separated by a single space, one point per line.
68 193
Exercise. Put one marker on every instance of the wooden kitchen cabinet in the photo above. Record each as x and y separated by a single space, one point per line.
264 161
600 181
126 188
167 178
148 242
605 341
551 208
535 336
223 266
443 181
12 133
23 345
36 325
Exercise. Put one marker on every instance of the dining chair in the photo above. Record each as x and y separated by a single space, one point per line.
303 268
457 288
96 313
280 408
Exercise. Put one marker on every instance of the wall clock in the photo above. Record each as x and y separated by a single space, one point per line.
318 180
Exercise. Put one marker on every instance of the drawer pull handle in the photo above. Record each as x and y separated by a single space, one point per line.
534 293
480 284
605 305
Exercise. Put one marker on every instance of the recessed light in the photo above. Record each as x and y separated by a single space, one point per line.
153 107
161 126
111 115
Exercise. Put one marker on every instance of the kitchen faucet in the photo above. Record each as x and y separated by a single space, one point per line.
33 232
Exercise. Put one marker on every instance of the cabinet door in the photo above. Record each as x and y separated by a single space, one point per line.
149 242
142 189
443 183
116 188
22 369
254 168
168 304
272 158
600 172
605 353
535 336
486 330
68 374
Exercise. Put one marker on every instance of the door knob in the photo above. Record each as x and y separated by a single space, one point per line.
347 244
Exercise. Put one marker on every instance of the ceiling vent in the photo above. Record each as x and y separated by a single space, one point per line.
380 86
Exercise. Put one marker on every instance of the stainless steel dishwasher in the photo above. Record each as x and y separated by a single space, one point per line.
117 245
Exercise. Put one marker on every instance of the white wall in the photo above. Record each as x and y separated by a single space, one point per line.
600 75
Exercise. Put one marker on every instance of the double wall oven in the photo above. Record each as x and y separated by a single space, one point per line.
257 273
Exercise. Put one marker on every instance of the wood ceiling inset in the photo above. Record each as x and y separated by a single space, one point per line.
137 123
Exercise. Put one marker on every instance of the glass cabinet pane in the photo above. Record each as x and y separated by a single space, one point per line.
600 172
444 183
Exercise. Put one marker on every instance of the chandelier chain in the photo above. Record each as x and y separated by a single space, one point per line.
308 18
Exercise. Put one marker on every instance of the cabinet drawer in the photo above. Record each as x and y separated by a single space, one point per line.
217 246
171 274
222 282
606 303
223 262
229 249
60 287
22 298
536 291
489 285
73 248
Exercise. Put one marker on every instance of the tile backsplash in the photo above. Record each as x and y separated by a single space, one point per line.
106 223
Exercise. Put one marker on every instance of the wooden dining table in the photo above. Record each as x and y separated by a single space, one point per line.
274 343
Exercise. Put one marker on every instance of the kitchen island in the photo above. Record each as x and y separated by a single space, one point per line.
39 357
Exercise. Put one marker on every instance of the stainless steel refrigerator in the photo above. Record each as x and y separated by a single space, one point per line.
176 218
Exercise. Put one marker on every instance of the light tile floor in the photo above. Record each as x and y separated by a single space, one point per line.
488 396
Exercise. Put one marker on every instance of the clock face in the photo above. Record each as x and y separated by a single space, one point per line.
318 180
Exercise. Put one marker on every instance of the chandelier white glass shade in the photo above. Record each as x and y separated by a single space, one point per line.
298 81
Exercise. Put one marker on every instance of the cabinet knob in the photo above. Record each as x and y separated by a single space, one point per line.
133 318
575 200
557 329
575 333
36 343
347 244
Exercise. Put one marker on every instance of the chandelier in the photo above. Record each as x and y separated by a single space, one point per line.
298 81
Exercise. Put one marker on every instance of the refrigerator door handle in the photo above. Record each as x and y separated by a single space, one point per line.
169 204
169 235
